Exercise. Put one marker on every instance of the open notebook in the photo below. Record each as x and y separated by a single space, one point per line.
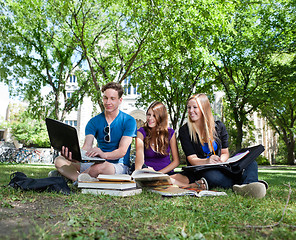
61 134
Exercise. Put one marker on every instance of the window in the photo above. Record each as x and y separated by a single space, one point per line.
72 123
135 89
72 79
128 88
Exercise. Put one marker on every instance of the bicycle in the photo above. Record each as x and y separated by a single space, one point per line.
23 155
8 156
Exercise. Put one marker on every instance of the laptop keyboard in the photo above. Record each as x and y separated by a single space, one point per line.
87 158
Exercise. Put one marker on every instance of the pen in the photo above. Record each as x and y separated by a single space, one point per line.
212 147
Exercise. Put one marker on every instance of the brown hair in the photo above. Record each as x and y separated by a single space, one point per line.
162 133
208 124
115 86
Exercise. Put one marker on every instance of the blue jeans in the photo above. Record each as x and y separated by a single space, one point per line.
217 178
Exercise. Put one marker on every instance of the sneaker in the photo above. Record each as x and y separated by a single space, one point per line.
85 177
75 184
56 173
255 189
264 182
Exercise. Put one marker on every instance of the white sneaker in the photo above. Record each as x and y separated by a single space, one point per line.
255 189
85 177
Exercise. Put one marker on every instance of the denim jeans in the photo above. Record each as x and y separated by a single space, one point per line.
217 178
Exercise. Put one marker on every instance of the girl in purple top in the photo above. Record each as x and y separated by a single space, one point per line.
156 142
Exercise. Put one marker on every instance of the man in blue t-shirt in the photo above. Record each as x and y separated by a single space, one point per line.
113 130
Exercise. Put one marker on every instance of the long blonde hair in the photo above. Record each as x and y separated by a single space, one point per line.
161 129
206 132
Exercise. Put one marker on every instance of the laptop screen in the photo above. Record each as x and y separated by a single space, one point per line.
61 134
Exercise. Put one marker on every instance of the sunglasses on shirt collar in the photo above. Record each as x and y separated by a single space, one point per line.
107 137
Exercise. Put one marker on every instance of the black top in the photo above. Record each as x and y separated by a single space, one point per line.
190 147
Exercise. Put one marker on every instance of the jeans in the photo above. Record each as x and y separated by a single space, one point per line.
217 178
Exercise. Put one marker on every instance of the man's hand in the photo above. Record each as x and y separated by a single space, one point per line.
66 154
95 152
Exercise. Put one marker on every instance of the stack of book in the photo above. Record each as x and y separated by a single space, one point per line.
161 183
126 185
114 185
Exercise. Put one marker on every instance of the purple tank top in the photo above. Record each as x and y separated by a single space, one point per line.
156 160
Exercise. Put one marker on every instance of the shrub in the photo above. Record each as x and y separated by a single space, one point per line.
261 160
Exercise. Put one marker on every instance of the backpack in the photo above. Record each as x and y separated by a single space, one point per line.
19 180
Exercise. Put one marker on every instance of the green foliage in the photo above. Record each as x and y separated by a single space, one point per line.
241 60
35 53
248 131
281 112
29 131
281 156
176 56
3 123
261 160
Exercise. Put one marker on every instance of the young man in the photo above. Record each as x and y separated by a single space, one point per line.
113 130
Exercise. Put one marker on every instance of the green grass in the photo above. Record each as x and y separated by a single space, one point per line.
34 215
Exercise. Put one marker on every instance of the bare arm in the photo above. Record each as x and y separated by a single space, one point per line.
139 161
124 144
88 142
175 156
194 160
224 154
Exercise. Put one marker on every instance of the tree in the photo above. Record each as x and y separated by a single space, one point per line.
280 108
33 57
110 36
25 129
177 58
242 63
280 105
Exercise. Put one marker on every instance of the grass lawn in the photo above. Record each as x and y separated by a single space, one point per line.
32 215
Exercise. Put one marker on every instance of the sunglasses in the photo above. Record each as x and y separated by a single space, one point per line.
107 137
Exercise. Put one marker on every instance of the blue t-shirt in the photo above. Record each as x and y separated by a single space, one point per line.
122 125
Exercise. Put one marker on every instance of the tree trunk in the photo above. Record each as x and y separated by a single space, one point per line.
290 152
239 136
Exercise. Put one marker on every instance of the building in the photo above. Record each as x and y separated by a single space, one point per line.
266 136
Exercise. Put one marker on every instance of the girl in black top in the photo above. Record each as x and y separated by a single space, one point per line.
205 141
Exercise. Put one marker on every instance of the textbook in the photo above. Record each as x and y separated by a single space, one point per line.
124 193
108 185
174 190
115 177
149 178
86 181
118 186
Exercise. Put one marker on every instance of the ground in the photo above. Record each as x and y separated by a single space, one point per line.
18 218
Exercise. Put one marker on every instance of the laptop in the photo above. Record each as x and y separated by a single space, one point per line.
61 134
